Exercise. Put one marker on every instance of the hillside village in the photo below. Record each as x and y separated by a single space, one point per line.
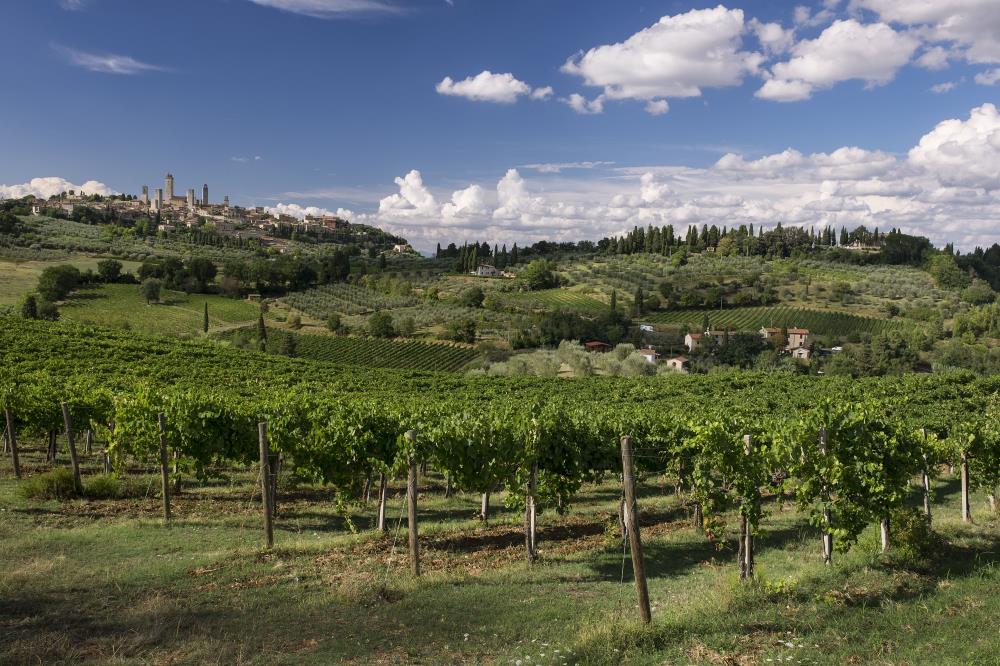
170 213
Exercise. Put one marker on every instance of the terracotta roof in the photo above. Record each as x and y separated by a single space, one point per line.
695 336
647 352
799 331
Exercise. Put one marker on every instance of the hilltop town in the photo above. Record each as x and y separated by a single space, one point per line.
168 212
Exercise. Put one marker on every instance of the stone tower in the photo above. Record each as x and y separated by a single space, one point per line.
170 187
190 199
145 194
204 194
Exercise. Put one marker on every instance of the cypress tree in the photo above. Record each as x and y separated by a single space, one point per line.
261 334
614 303
204 325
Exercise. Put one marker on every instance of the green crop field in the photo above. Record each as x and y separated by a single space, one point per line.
121 305
372 352
750 319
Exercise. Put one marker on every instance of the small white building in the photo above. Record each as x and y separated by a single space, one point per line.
651 355
692 341
802 353
485 270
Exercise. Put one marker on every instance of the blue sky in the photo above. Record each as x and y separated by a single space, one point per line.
669 110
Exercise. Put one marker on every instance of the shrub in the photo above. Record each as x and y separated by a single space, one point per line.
104 486
380 325
57 484
460 330
913 539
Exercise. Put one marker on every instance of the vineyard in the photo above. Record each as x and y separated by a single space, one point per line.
819 322
738 475
370 352
345 298
549 299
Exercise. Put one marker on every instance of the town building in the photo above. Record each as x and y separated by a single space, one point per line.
485 270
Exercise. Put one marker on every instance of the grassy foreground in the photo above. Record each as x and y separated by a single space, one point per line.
105 582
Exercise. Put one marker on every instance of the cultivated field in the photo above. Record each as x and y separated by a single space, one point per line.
819 322
371 352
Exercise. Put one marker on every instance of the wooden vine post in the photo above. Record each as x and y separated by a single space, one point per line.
161 421
827 517
530 535
74 460
411 507
966 507
926 479
12 440
382 492
265 484
632 521
746 531
484 507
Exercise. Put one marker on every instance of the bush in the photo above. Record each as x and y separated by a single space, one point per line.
380 325
472 297
57 484
48 311
295 322
460 330
104 486
912 537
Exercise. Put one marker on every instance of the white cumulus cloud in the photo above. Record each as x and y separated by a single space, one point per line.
489 87
964 153
947 188
844 51
676 57
973 26
51 186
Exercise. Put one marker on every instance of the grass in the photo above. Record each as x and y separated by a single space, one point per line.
121 306
18 278
105 582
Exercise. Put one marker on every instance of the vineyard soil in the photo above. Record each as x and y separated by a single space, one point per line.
105 582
